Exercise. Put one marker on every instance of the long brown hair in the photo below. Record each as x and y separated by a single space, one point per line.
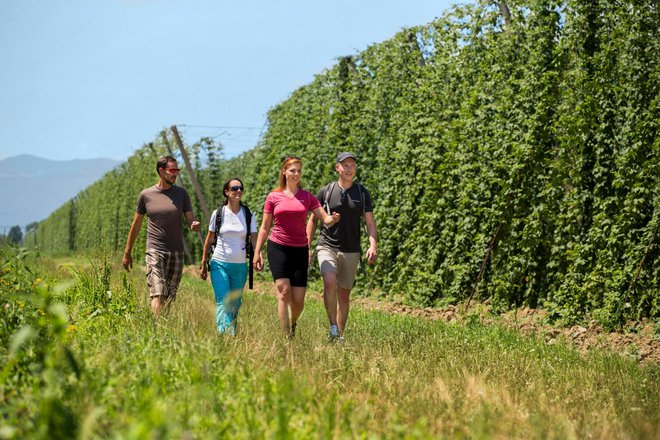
286 163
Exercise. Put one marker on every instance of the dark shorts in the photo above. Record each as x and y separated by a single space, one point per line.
288 262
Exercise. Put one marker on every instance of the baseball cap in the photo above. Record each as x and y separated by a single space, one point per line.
345 155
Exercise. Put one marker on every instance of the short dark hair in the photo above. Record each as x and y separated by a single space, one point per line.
162 162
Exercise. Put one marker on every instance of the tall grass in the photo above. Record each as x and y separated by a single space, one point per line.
393 377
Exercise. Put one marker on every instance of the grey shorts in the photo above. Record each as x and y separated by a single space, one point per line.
344 264
163 273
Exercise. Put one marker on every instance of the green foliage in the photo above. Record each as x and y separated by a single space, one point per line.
39 379
93 294
529 148
70 374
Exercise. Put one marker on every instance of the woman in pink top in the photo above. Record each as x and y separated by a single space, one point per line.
286 210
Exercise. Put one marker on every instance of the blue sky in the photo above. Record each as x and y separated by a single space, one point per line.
83 79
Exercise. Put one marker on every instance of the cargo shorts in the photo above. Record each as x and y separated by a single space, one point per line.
344 264
163 273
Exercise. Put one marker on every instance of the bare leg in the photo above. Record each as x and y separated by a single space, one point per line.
343 297
283 287
330 296
297 302
157 305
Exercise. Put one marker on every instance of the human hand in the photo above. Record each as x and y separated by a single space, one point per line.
371 255
258 262
203 274
195 226
331 219
127 261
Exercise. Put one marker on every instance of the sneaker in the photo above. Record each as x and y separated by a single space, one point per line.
334 333
334 330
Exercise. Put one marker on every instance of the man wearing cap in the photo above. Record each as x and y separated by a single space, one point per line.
164 204
339 249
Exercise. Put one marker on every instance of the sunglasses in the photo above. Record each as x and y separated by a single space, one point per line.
236 188
173 170
344 196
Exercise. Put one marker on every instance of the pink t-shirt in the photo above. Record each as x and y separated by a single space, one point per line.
290 216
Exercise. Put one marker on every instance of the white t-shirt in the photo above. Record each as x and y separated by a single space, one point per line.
230 247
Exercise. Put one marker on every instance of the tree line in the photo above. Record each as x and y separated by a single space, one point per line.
511 149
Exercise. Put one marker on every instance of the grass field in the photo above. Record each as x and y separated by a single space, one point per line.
105 368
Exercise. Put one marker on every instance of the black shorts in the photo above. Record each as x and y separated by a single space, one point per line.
288 262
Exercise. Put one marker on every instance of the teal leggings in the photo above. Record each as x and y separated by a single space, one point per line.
228 280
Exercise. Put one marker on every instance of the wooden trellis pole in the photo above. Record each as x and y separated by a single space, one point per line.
191 173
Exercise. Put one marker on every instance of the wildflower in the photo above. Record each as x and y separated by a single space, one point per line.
71 328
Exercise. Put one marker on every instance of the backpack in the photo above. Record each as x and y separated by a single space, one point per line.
249 250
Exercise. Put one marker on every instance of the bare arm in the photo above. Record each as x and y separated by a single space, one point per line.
264 229
190 219
311 231
130 241
210 236
326 219
373 236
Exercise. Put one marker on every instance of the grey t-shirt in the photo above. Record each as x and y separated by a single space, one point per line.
345 235
164 209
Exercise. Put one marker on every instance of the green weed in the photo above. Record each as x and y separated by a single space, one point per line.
133 375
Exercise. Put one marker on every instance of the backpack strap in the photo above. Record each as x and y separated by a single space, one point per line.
249 250
328 193
218 224
364 207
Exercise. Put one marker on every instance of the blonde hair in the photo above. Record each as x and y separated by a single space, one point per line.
286 163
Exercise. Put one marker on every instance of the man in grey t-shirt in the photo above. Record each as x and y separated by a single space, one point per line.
164 204
338 247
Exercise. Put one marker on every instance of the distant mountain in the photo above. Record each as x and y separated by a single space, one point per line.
33 187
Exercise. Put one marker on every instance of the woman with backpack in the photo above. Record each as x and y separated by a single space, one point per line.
286 210
225 253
